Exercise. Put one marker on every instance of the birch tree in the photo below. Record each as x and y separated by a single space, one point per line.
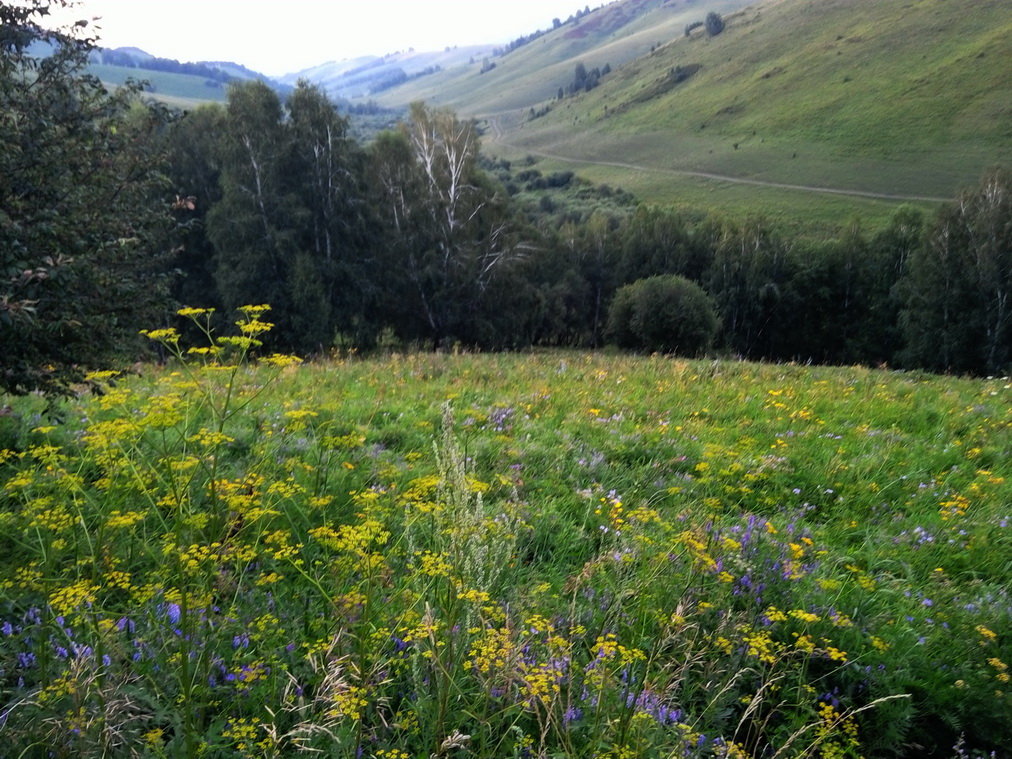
455 236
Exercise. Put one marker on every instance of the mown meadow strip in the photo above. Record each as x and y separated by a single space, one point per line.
547 555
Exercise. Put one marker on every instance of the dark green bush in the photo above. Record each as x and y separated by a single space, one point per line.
665 313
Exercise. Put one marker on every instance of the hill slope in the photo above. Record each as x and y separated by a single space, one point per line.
178 84
530 74
368 75
906 99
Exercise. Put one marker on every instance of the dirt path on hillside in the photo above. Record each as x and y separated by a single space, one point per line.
498 134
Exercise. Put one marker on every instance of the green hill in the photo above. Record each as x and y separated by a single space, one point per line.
369 75
532 74
183 85
176 89
792 100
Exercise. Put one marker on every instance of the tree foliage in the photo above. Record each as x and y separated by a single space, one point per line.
666 313
269 199
958 311
83 206
658 241
194 170
714 23
750 279
452 229
289 225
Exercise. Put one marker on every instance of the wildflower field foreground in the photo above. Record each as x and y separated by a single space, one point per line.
543 555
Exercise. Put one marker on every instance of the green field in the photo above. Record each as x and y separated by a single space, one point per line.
909 100
793 212
554 554
181 90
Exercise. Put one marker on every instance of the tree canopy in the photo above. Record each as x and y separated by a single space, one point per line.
83 209
111 208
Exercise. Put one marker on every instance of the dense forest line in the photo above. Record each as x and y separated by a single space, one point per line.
413 238
114 210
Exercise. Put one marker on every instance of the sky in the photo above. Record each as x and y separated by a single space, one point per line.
285 36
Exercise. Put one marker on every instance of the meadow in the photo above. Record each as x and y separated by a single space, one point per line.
551 554
895 99
178 90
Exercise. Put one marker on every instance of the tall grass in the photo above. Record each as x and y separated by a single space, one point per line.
547 555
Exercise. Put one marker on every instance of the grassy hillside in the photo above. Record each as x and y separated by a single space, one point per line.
912 100
533 73
173 88
557 554
359 77
179 84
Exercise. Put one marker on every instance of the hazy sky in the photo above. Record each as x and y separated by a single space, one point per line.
284 36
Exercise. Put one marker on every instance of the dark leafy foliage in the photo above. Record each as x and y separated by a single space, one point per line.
957 315
83 207
665 313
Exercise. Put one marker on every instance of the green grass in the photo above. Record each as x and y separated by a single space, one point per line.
552 554
533 73
905 99
174 88
793 212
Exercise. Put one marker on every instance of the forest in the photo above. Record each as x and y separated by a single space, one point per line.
118 210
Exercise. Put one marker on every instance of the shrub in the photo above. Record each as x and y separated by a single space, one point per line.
714 24
664 313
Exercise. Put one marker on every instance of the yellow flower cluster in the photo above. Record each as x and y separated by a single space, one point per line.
491 650
71 597
120 520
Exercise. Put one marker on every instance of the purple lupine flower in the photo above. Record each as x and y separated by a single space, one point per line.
173 612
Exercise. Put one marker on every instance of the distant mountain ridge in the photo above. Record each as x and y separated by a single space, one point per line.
367 76
182 84
135 58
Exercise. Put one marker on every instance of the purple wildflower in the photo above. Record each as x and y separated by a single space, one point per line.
173 612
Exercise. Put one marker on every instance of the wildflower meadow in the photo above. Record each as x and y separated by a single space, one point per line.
552 554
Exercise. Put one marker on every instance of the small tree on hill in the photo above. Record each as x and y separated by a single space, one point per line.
579 75
714 24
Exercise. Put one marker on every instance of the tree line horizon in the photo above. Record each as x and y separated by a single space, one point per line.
117 210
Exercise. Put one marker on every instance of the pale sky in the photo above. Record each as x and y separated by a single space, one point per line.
284 36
